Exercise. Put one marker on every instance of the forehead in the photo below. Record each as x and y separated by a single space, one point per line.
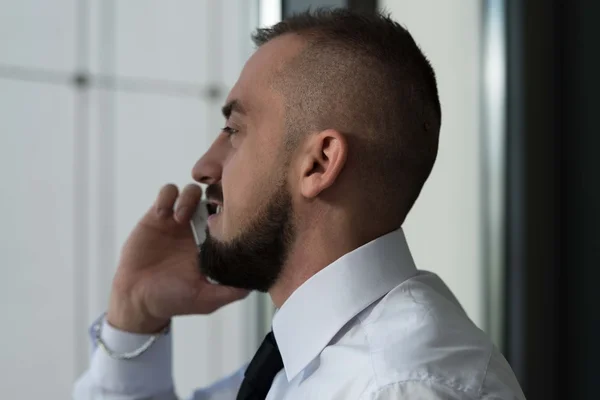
254 86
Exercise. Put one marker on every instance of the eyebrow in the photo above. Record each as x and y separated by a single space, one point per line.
233 106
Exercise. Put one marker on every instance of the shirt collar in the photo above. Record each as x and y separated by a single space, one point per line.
322 305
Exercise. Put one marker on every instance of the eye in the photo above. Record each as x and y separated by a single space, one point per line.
229 131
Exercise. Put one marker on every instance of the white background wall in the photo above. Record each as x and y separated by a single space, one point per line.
444 228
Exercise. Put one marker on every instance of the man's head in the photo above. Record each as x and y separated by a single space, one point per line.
332 127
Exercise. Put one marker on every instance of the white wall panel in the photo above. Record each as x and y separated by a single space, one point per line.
235 29
37 355
444 228
102 245
155 39
38 34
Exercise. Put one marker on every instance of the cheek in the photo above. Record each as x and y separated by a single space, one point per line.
245 183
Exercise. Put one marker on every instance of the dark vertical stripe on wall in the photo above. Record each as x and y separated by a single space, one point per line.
514 208
533 120
580 198
553 270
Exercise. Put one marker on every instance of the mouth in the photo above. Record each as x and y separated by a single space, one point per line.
214 207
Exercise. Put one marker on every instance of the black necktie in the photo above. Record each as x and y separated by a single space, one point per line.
261 371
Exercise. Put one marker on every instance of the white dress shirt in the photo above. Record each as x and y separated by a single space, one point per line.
368 326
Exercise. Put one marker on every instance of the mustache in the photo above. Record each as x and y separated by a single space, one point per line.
215 192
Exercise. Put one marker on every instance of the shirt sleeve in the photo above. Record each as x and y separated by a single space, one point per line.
148 376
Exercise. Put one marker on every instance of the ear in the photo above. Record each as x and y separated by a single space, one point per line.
323 159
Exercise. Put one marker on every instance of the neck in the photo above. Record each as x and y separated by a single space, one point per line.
315 247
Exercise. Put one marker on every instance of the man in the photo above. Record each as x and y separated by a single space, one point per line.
331 132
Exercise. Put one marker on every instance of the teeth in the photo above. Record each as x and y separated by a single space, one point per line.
219 209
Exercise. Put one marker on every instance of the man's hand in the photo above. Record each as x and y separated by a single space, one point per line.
158 275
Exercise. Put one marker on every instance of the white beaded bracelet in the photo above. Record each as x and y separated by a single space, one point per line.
97 328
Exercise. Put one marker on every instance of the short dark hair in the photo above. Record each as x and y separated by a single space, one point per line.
364 75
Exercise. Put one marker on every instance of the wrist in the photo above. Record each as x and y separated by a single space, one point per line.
131 319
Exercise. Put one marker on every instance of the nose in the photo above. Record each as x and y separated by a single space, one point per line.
209 167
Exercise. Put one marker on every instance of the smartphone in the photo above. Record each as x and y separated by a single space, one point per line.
198 222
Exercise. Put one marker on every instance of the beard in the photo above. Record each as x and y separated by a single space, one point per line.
255 258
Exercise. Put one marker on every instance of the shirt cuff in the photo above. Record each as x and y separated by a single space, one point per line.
146 375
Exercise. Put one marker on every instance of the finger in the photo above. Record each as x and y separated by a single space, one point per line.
165 200
187 202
